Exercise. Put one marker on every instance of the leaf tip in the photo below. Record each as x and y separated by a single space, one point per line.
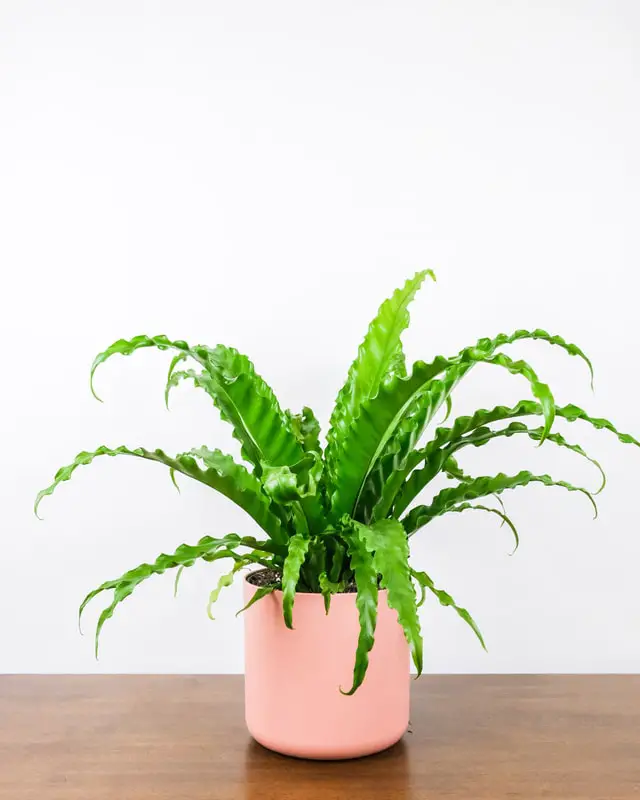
94 366
172 475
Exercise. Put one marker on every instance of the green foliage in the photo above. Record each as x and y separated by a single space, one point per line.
387 543
298 547
342 518
366 579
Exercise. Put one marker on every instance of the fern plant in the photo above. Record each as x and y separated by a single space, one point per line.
341 517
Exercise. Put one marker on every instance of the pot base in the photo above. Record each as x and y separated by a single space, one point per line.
328 752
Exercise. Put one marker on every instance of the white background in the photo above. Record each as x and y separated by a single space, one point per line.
264 174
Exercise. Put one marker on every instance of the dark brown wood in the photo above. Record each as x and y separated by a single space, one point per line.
178 737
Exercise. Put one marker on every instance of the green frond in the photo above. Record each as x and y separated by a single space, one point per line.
298 547
387 542
447 499
207 549
446 600
125 347
436 459
379 355
366 579
221 473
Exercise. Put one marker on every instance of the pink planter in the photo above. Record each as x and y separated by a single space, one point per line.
293 702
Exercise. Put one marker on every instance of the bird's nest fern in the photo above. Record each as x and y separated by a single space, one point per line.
342 515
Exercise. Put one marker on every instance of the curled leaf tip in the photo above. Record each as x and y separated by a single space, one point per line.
172 475
177 579
91 386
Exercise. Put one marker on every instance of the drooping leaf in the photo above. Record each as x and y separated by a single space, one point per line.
379 355
391 467
221 473
387 541
483 417
207 549
452 470
446 499
539 334
224 581
445 437
481 436
298 547
437 459
126 347
366 578
506 520
446 600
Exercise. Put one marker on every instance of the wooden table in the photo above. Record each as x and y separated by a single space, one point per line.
180 737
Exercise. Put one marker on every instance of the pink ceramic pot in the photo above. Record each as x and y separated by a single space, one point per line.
293 678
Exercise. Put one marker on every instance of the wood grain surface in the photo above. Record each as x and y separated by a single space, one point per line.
183 738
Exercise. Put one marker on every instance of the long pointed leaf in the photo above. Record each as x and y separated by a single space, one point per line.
222 474
379 354
481 487
245 400
387 475
224 581
506 520
298 547
207 549
438 459
366 578
387 542
126 347
462 426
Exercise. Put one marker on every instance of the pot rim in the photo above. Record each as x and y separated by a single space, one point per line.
278 592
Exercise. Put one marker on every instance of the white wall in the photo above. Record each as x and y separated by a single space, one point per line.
264 174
